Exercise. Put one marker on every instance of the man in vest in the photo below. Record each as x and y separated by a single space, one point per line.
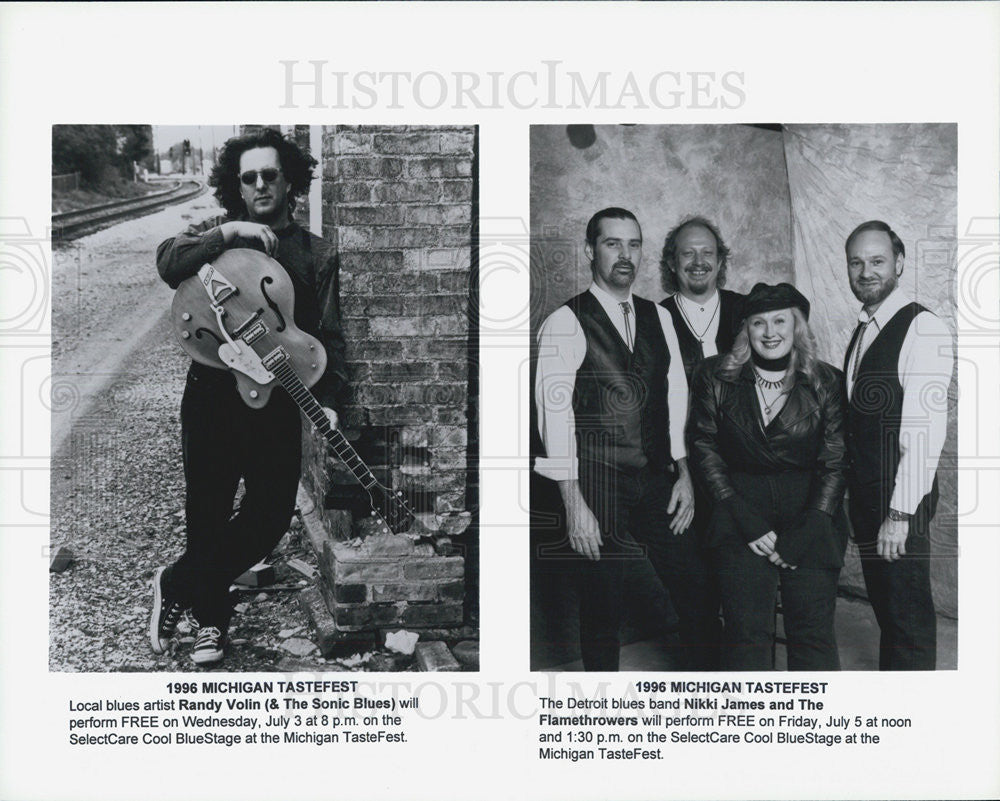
900 359
612 401
693 268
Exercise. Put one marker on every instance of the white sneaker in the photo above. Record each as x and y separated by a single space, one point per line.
208 646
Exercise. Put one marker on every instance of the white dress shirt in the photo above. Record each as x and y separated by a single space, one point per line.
925 366
562 347
702 317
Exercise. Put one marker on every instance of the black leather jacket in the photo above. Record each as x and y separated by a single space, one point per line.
726 433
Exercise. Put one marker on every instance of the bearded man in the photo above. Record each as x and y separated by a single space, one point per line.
899 359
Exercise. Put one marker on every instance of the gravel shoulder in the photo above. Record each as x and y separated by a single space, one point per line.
117 486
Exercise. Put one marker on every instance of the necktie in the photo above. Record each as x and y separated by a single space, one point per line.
858 353
627 310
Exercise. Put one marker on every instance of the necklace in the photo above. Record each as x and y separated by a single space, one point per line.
768 407
766 384
690 325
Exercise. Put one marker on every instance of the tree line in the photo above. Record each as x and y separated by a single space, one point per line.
103 155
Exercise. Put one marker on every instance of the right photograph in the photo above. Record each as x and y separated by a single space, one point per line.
743 412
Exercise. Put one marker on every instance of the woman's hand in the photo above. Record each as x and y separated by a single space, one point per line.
764 546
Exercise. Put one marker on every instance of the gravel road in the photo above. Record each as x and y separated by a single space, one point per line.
117 481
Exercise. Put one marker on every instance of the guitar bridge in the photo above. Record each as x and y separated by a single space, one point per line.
218 287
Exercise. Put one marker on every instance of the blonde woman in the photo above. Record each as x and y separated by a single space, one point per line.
766 433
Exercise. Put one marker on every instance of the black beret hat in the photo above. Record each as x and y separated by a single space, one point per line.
764 298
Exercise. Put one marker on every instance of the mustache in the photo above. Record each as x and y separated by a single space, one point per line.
624 263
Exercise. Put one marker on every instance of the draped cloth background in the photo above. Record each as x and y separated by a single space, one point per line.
839 176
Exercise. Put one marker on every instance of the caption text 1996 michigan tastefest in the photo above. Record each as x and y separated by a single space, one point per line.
234 713
639 720
651 716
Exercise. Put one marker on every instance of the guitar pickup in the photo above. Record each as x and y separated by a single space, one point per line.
254 332
274 358
251 328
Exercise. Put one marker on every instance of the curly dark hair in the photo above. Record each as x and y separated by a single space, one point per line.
668 258
296 166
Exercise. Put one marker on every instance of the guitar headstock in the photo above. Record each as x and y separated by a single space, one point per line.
391 508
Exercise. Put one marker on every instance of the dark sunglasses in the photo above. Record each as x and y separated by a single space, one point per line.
269 174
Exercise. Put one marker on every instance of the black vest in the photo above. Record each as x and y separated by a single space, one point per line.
875 410
691 350
620 398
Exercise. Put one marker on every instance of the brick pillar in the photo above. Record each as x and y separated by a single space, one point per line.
400 202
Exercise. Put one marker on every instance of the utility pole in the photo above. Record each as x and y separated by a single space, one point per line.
156 152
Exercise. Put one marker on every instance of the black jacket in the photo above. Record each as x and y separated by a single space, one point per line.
313 267
727 437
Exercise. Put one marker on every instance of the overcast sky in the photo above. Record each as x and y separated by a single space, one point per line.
200 135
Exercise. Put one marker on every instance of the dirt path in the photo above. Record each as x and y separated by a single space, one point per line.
117 478
106 296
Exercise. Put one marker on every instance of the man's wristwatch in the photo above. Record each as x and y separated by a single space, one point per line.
899 517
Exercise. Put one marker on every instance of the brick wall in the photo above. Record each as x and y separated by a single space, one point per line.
401 202
400 205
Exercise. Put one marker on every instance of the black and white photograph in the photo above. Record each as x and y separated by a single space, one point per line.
744 399
499 400
264 398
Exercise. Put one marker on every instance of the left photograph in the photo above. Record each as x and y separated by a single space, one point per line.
264 398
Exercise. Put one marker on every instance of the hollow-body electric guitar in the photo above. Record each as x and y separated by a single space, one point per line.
236 314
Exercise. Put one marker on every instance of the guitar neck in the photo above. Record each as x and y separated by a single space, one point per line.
310 408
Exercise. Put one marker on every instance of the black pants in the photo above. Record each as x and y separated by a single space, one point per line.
900 591
749 583
224 440
635 503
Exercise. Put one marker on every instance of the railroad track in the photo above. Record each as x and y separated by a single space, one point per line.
72 224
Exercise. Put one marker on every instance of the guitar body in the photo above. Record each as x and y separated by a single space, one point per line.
236 315
264 298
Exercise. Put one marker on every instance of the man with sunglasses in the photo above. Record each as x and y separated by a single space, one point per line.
257 180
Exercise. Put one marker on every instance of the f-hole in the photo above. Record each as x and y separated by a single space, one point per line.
211 333
274 307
